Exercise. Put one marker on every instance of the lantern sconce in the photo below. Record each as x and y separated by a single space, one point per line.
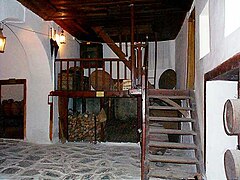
2 40
62 38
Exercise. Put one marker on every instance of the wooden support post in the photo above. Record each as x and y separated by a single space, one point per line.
144 165
238 146
60 84
50 102
132 45
112 45
81 77
102 106
75 84
191 52
120 42
68 76
139 116
111 79
156 53
126 47
238 80
139 63
118 75
63 118
89 73
103 76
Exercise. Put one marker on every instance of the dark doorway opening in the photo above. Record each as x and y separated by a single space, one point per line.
12 111
122 123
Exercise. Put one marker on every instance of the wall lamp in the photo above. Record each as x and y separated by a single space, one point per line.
2 41
62 38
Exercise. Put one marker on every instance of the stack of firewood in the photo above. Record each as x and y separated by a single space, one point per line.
85 127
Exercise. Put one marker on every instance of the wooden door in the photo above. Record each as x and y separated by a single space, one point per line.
191 52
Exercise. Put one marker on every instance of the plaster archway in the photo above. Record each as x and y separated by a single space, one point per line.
25 57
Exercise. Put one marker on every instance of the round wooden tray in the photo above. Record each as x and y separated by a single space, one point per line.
100 80
168 79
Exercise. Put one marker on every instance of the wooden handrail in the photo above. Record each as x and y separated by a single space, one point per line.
89 59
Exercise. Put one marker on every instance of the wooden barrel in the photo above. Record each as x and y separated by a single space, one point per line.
100 80
231 116
232 164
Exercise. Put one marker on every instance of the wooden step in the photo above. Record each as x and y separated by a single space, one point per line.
169 97
156 124
170 131
171 145
171 119
171 174
172 159
169 108
168 92
158 137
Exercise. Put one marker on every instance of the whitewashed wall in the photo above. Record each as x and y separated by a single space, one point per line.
222 47
181 45
165 59
27 56
217 142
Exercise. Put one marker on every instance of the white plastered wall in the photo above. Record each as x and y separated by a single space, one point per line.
221 47
217 141
27 56
165 59
181 56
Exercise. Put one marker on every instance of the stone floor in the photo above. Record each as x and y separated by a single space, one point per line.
83 161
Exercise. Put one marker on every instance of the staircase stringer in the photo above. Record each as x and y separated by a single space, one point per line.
172 103
197 139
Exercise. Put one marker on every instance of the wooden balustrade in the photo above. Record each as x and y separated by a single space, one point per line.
106 74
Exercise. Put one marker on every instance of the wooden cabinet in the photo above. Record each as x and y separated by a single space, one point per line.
91 51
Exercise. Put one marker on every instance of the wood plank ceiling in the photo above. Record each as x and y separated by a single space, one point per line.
161 17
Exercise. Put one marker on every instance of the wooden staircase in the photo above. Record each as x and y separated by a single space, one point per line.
162 157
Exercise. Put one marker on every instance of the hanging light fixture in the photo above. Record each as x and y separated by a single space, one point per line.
2 41
62 38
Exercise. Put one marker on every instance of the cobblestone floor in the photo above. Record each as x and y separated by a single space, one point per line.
69 161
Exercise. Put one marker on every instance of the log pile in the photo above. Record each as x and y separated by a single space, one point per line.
85 127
